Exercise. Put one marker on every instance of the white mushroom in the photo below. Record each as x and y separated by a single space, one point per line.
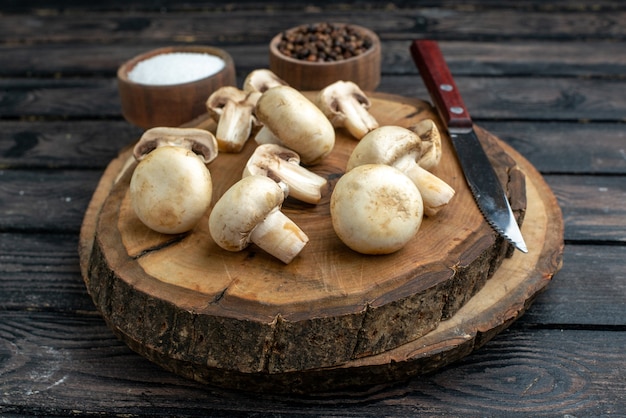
346 106
283 165
261 80
249 212
431 143
375 209
171 187
233 109
200 141
402 148
265 136
296 122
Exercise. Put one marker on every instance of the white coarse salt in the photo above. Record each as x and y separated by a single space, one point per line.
175 68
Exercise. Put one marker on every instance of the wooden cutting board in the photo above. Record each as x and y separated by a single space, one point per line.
235 319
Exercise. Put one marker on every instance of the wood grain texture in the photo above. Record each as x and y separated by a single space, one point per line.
116 292
41 272
81 144
554 99
590 211
552 147
48 360
265 305
49 265
564 357
439 23
550 58
588 292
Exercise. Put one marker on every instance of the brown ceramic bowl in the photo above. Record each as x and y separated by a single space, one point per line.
150 105
363 69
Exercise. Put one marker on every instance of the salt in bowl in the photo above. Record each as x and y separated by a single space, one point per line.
169 86
315 74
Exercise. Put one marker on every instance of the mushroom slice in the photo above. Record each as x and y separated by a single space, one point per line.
249 212
402 148
283 165
233 109
171 187
261 80
200 141
265 136
375 209
346 106
296 122
431 143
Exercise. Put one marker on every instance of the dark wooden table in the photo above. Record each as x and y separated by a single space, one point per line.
546 77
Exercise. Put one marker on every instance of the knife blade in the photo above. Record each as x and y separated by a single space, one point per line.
478 170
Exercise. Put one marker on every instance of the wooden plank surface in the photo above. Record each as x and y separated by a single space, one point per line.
517 373
189 25
546 78
553 99
553 147
495 58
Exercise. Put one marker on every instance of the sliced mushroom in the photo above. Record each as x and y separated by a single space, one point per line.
401 148
171 188
261 80
249 212
283 165
233 109
296 122
346 106
265 136
376 209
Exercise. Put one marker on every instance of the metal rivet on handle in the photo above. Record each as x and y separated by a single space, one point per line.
446 87
456 110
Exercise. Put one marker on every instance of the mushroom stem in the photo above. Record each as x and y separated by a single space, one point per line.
431 143
283 166
265 136
345 105
279 236
435 192
234 127
304 184
233 110
358 120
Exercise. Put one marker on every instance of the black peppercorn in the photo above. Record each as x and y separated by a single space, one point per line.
323 42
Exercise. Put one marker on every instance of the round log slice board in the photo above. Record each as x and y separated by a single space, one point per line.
332 317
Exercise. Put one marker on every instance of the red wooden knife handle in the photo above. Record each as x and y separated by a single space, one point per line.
440 84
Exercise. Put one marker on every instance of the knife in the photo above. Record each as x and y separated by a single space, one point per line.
479 173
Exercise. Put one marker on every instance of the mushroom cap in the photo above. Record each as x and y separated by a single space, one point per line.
220 97
265 160
385 145
202 142
261 80
241 208
376 209
297 122
170 189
